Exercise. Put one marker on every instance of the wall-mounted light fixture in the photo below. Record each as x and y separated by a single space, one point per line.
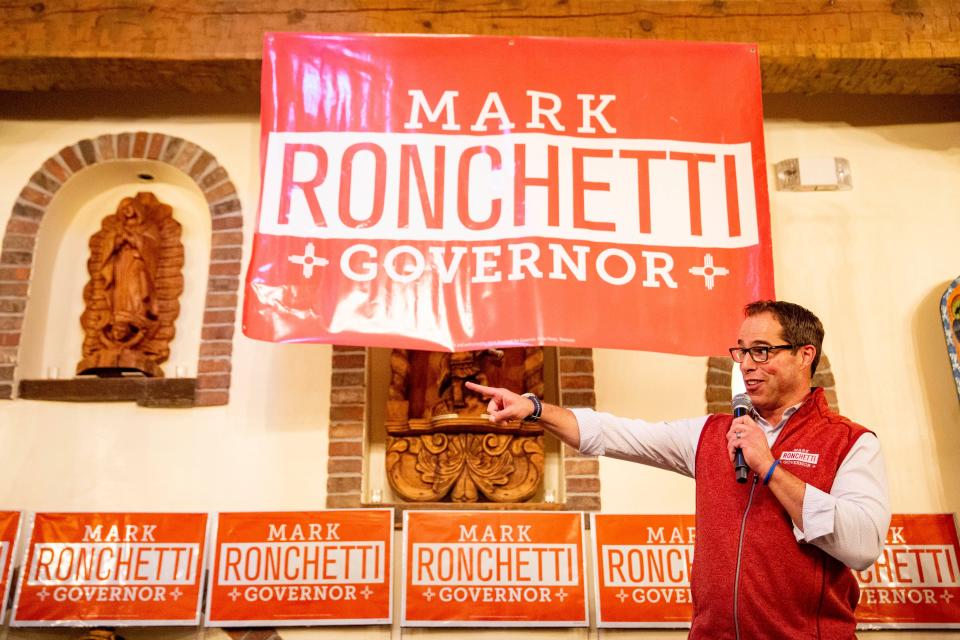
813 174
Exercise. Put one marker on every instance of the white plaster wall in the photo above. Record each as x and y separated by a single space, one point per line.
871 262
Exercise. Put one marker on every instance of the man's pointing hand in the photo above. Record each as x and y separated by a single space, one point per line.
504 405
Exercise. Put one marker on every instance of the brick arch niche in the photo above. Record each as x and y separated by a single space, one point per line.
720 383
578 476
212 383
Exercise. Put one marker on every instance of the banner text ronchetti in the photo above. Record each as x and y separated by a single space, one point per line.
455 192
302 568
507 568
138 569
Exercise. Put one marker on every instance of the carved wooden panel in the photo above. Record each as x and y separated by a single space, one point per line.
441 445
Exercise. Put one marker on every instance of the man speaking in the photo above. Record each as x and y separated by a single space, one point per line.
774 554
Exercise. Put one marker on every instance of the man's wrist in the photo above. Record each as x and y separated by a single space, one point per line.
770 471
533 416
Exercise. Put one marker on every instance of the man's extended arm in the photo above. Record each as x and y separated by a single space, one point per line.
667 445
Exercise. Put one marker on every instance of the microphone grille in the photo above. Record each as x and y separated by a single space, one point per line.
742 401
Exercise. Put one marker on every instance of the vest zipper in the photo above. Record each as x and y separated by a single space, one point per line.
736 579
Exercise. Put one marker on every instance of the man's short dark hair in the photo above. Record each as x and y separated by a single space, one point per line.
800 326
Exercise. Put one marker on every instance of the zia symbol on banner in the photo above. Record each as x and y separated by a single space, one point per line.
234 594
622 595
176 593
309 260
367 592
708 271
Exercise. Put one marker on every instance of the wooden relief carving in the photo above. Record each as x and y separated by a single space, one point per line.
440 444
132 297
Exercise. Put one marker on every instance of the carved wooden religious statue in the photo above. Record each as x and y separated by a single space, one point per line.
132 298
440 444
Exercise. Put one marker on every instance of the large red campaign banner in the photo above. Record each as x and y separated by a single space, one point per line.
302 568
454 192
509 569
9 536
642 567
139 569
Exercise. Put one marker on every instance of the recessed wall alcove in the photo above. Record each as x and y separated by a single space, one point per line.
355 466
43 269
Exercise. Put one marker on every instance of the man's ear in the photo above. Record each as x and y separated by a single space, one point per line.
808 352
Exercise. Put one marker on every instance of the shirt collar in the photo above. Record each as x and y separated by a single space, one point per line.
766 426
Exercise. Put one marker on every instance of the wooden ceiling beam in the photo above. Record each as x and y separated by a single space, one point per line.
821 46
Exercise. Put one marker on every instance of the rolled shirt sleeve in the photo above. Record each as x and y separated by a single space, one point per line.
670 445
851 521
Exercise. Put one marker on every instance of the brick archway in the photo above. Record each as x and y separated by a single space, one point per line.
720 375
19 241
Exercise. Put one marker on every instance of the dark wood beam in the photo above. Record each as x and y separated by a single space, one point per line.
806 46
162 393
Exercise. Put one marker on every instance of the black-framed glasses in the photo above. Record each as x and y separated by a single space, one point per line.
759 354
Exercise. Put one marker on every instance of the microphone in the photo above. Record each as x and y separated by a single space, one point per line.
741 407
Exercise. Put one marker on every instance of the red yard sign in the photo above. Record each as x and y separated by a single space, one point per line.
642 569
9 534
137 569
302 568
916 581
453 193
507 568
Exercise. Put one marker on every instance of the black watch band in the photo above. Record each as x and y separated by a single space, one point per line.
537 408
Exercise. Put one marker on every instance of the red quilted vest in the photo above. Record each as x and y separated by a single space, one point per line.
786 590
